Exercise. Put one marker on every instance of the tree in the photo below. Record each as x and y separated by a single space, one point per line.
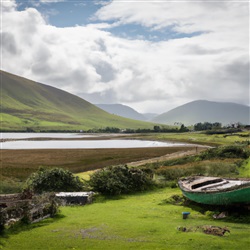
53 180
183 128
157 129
207 126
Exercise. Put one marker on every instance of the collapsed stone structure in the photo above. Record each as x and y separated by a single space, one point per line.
27 207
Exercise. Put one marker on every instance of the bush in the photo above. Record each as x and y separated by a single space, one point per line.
120 180
179 161
9 186
207 169
226 152
53 180
212 153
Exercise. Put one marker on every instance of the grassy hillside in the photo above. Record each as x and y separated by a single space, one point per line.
28 104
206 111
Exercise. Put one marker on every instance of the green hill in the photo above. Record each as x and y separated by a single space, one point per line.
206 111
28 104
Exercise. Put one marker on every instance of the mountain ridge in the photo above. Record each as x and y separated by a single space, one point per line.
122 110
206 111
26 103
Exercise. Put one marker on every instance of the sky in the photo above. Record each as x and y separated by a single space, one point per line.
152 55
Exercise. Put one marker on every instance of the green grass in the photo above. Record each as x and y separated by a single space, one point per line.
85 175
199 138
140 221
226 161
20 164
27 104
10 185
129 222
245 169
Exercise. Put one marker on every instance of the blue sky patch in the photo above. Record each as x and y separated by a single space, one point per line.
64 14
81 13
136 31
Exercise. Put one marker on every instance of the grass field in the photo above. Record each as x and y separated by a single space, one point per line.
21 163
245 169
17 165
201 138
137 221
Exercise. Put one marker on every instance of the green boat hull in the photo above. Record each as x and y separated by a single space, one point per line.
238 196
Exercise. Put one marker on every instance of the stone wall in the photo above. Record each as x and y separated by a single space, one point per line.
26 207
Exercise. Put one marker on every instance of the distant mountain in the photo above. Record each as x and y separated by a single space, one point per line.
122 110
28 104
206 111
149 116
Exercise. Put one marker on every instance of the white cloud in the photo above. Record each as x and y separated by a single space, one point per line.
51 1
150 76
8 5
101 2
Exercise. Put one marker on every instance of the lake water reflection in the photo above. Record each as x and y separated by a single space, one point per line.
43 135
85 144
75 144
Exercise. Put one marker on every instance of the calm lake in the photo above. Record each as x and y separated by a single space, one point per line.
43 135
75 144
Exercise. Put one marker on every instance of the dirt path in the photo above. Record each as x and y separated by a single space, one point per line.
167 157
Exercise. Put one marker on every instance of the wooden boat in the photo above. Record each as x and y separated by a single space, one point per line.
216 190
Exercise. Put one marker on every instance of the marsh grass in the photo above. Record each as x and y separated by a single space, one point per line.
208 168
200 138
227 161
19 164
9 185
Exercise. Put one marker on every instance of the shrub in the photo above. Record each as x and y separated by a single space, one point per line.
179 161
120 180
53 180
226 152
206 168
8 186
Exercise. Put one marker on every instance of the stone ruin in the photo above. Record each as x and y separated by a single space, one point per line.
27 207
